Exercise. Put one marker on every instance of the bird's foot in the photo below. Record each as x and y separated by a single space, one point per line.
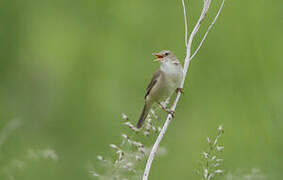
166 109
181 90
172 113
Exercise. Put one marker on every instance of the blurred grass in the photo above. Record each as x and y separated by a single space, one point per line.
68 69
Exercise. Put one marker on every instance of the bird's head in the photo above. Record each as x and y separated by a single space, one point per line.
165 56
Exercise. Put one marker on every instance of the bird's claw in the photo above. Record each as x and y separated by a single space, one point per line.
169 111
172 113
181 90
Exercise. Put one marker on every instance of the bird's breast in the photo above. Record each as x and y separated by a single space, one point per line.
174 76
171 78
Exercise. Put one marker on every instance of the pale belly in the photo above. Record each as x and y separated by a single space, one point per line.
170 83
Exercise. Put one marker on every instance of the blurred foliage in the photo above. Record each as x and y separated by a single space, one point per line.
68 69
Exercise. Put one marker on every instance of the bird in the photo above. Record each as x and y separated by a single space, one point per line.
164 82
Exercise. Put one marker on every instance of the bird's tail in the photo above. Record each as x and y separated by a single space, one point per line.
143 116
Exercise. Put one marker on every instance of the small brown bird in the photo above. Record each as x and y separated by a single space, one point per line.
164 82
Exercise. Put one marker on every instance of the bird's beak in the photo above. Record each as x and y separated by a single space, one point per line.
159 56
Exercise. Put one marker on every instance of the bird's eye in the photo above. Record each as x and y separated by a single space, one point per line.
167 53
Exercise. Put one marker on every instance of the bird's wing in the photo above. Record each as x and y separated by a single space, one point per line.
153 81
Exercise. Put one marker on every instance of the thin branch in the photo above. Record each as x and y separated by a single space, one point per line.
208 29
206 5
186 24
188 58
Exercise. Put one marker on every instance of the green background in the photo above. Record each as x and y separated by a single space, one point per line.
68 69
